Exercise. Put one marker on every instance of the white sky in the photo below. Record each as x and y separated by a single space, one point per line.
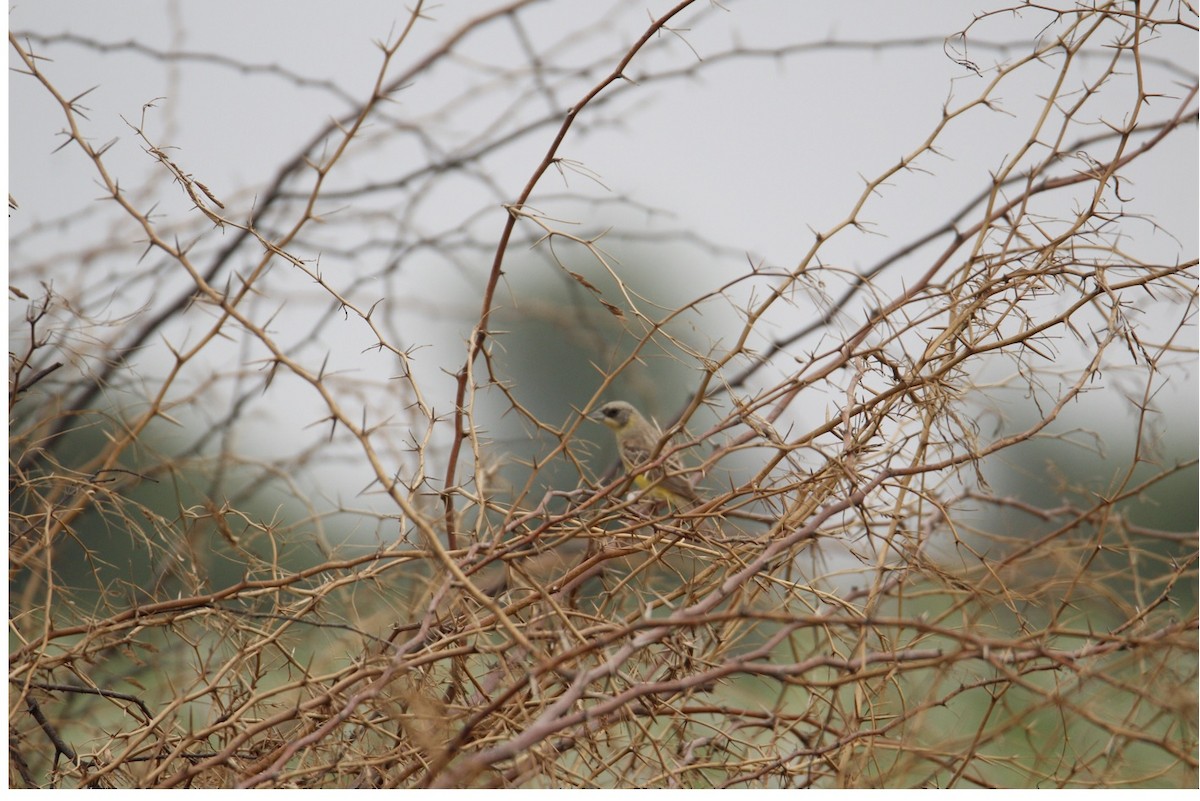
749 154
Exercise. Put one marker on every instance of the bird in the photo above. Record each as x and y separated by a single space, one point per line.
637 439
540 569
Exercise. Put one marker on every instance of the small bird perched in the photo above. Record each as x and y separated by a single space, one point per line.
637 438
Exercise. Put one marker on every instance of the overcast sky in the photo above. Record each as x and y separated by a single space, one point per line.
740 158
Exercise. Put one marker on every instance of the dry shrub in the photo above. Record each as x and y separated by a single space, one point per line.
867 596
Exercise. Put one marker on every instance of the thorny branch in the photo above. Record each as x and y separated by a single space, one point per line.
866 595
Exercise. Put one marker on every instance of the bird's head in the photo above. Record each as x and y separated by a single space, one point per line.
614 414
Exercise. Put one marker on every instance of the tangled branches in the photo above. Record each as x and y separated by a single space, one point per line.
945 533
